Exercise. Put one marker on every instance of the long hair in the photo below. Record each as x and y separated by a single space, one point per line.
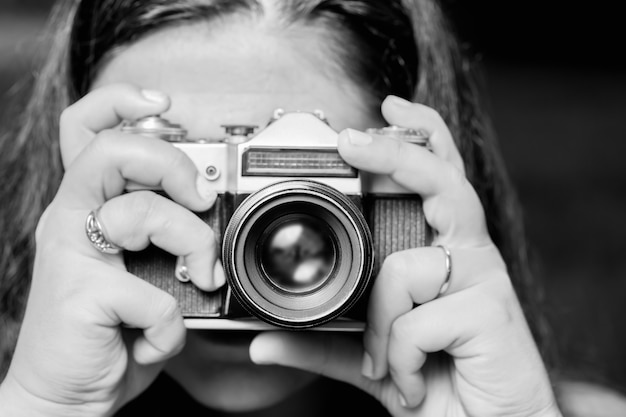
401 47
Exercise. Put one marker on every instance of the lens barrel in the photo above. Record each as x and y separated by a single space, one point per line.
297 253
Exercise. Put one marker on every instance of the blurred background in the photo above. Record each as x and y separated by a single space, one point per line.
556 82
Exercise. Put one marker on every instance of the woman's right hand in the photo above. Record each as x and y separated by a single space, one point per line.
94 336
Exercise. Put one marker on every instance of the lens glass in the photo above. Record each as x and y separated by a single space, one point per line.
297 253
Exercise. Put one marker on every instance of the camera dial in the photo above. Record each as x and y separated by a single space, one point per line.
156 126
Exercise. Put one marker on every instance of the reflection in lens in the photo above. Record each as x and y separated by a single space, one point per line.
297 253
296 256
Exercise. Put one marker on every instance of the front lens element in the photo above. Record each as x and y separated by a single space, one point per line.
297 253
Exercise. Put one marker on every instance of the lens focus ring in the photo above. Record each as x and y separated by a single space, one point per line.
297 253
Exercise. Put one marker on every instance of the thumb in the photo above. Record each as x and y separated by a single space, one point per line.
336 356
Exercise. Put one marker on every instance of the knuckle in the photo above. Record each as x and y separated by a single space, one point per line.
137 209
396 273
394 265
457 178
67 116
431 113
179 159
103 143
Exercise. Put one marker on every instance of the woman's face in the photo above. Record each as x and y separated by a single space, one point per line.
237 71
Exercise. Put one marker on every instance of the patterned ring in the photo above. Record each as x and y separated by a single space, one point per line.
97 235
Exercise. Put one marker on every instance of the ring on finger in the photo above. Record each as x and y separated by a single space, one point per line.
448 266
96 233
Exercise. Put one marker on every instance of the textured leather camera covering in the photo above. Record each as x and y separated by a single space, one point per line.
397 223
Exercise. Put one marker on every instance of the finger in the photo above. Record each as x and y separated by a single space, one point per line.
105 108
406 360
400 112
136 219
406 278
139 375
451 205
411 387
449 325
416 276
482 330
336 357
332 355
126 299
114 159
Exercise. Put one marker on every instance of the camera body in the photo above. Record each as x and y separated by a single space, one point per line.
302 232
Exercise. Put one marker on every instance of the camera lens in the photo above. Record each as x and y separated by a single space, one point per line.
297 253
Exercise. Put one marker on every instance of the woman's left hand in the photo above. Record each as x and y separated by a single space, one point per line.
482 359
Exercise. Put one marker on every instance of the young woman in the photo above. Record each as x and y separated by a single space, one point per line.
447 330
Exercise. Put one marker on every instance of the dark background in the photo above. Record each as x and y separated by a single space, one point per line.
557 87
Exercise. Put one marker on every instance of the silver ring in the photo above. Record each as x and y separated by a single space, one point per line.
97 235
446 282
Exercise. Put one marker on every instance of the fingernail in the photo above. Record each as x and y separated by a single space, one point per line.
403 402
205 190
358 138
154 95
367 368
146 354
399 101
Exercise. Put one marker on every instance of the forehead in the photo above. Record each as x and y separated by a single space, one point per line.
239 72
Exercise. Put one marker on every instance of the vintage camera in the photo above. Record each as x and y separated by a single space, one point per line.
302 232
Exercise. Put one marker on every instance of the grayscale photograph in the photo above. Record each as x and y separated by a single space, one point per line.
280 208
